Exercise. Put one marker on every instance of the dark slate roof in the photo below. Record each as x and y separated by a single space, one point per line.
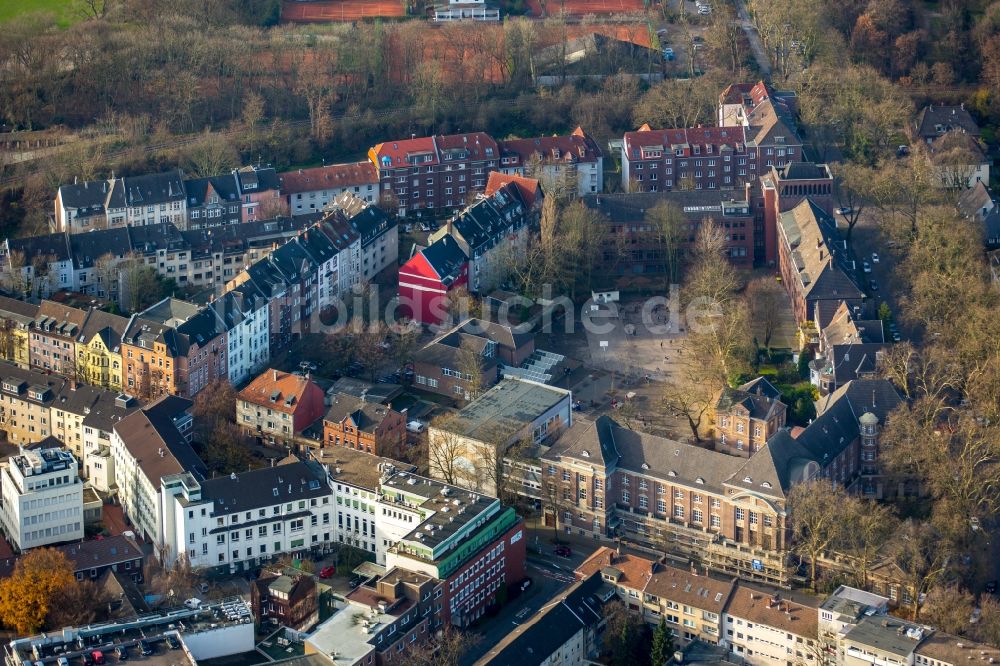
761 386
87 248
818 253
98 553
367 415
108 409
257 179
577 609
445 352
48 246
758 405
847 362
802 171
109 326
373 392
877 396
265 487
85 195
154 188
370 223
774 468
149 238
511 337
937 119
317 245
224 186
445 257
484 224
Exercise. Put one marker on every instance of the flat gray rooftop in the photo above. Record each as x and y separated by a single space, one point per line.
507 407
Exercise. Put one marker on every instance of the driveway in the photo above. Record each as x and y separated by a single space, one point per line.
759 53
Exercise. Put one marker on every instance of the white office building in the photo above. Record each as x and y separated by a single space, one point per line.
42 498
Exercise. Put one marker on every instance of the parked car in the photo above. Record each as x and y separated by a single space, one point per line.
62 661
563 551
990 587
326 572
874 257
661 32
704 9
145 649
415 426
87 659
122 653
98 657
668 53
173 643
866 266
844 210
902 151
873 285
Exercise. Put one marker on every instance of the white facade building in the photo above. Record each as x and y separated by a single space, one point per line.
245 314
42 498
244 520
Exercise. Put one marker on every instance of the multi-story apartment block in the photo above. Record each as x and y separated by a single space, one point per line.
243 312
747 416
53 338
148 445
37 266
243 520
765 628
769 119
358 424
572 164
98 350
813 261
42 498
98 427
469 541
259 191
492 233
17 318
284 600
71 408
378 234
841 611
310 190
701 158
464 447
883 640
355 478
940 649
277 406
26 398
381 621
133 201
692 604
434 173
173 347
213 202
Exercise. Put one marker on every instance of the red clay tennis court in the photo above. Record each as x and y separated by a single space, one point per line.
339 10
584 7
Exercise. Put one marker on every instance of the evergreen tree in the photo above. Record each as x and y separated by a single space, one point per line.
663 644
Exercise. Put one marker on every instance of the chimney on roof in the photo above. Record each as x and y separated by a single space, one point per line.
274 374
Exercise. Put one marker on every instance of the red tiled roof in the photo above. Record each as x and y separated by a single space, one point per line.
397 151
269 382
528 187
475 142
321 178
574 147
636 570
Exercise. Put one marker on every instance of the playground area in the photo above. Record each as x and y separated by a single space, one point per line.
324 11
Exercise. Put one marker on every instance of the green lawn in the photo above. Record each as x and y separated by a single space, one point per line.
64 10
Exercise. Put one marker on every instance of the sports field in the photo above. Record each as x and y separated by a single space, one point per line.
339 10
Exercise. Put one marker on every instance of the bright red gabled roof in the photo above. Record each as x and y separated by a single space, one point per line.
476 143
